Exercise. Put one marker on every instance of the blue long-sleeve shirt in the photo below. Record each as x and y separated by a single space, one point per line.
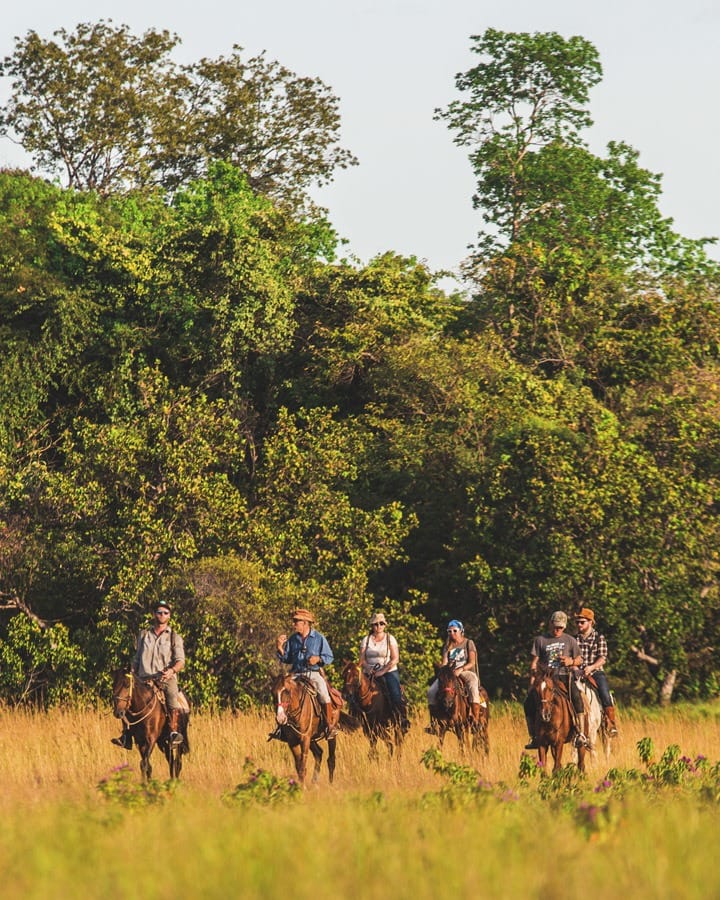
298 650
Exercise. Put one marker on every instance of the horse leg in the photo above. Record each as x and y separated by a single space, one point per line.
557 752
331 758
299 756
317 753
542 760
581 751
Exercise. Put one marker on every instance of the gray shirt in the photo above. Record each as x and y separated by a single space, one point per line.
156 652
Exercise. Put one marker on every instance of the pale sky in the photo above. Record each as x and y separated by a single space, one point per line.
392 62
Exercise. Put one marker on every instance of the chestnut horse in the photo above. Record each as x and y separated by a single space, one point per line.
297 712
369 703
554 724
453 711
141 705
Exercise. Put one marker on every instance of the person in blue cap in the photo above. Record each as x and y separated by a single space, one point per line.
459 652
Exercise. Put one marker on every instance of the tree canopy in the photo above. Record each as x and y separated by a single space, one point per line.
200 400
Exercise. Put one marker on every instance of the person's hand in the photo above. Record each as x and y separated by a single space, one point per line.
314 660
281 641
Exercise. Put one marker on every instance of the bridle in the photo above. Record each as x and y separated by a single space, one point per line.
140 715
290 712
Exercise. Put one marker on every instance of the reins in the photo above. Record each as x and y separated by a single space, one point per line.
146 711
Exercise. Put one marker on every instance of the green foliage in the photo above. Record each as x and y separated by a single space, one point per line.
39 665
122 788
112 111
262 788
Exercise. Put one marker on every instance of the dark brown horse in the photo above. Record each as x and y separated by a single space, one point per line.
297 712
452 712
554 723
369 703
141 705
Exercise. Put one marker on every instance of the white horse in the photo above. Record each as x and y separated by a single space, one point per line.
596 733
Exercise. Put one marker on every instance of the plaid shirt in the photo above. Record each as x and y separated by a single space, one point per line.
592 646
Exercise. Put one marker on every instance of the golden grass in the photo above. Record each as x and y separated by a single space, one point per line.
63 755
379 831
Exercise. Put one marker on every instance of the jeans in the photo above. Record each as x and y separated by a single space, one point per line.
392 683
603 689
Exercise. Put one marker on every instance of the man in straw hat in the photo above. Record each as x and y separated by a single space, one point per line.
594 650
307 651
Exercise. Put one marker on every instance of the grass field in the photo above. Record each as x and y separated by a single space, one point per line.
390 828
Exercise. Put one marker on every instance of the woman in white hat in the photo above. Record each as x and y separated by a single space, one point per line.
379 656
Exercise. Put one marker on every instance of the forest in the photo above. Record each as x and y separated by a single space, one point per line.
203 400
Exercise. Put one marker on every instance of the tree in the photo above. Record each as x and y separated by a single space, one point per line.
112 111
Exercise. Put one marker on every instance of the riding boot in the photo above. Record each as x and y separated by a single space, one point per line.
174 721
331 729
610 720
532 744
580 738
124 741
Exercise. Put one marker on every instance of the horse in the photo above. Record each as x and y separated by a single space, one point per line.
597 729
554 722
301 723
141 705
453 711
369 703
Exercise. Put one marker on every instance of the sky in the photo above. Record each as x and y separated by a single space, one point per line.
391 63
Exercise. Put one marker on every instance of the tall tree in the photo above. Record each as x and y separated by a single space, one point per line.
111 111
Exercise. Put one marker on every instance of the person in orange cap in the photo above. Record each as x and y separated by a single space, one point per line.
594 650
307 651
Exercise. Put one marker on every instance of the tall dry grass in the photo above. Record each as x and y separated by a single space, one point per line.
62 755
380 832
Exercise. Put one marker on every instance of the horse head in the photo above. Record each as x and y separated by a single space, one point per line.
551 692
122 692
351 677
449 687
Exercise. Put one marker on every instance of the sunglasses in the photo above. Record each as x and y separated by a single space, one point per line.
162 612
453 630
582 621
379 624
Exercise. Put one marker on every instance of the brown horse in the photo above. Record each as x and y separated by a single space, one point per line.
453 711
369 703
554 722
297 712
141 705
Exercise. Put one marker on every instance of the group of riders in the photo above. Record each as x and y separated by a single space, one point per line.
160 656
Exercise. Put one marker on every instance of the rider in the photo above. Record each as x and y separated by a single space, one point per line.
561 652
379 656
308 651
159 656
594 650
460 653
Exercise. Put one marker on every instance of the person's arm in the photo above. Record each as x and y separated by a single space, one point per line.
282 646
601 658
533 665
324 655
574 656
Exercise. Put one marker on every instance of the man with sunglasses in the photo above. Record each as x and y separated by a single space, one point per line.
594 649
159 656
308 652
560 652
